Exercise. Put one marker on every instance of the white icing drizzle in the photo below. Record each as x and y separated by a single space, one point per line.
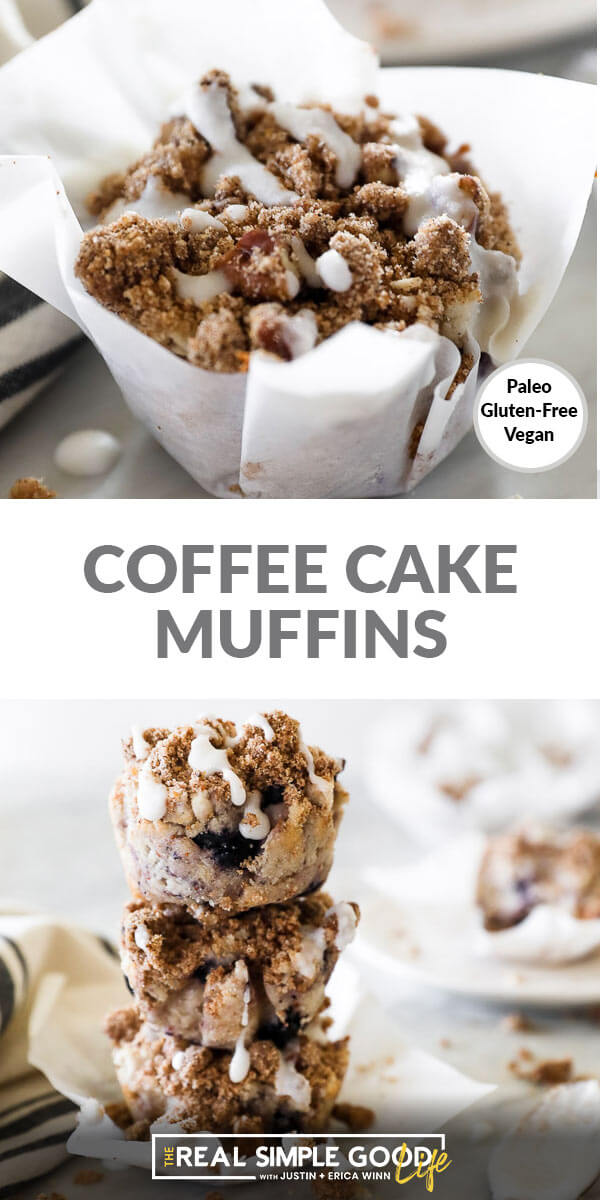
499 287
151 795
334 271
141 937
309 959
346 924
240 1059
178 1060
209 760
208 110
141 749
196 220
155 202
201 288
289 1082
322 785
306 263
259 721
303 123
248 829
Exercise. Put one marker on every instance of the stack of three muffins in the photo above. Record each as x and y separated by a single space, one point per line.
228 945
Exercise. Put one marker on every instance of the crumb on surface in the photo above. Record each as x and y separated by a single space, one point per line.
517 1022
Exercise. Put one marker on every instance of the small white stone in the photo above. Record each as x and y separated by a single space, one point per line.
87 452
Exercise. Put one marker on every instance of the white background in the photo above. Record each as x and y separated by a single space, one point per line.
63 640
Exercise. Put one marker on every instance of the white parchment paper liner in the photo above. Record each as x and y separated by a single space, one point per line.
426 925
507 746
409 1090
92 96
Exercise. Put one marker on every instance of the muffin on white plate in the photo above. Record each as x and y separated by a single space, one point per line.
443 768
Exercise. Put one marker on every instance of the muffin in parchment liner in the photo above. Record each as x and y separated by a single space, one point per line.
369 411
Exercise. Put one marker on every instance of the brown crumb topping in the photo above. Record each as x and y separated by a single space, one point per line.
29 488
267 254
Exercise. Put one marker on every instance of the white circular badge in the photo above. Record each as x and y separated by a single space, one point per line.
530 415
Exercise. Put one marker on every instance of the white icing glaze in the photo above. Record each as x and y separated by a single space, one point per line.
151 795
209 760
87 452
236 212
259 721
439 196
301 332
141 749
303 123
322 785
201 805
499 287
240 1059
254 832
309 959
155 202
208 110
292 284
334 271
195 220
346 922
141 937
201 288
178 1060
289 1082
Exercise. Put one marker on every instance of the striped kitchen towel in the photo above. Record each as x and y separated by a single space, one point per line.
35 340
43 965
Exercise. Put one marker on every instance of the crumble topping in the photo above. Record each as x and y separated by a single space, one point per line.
29 488
253 224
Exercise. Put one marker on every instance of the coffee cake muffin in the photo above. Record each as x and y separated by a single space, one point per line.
205 815
253 224
261 973
523 869
273 1091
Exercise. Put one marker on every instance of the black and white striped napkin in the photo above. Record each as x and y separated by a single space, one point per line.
35 340
38 958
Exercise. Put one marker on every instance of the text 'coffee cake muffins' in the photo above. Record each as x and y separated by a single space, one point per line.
292 1089
258 225
218 979
531 867
207 815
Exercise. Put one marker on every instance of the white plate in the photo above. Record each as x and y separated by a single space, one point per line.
430 937
437 30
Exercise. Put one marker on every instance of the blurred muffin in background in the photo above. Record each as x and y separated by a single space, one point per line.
442 768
